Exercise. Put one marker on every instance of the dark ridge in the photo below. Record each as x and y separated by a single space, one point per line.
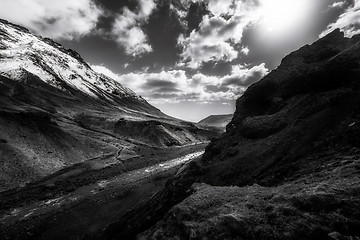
290 137
18 27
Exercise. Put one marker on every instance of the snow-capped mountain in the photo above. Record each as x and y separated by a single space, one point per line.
55 111
22 52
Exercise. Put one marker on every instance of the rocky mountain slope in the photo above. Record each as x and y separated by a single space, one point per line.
23 53
220 121
56 111
288 166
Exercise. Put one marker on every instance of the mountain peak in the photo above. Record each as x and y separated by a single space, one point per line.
21 52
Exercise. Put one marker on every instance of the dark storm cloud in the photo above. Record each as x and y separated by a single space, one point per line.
213 88
174 96
191 96
228 27
232 81
161 86
159 83
116 6
195 15
162 29
165 95
105 22
168 89
219 68
213 23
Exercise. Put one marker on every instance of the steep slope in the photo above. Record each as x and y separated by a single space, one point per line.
220 121
23 53
293 112
56 111
288 166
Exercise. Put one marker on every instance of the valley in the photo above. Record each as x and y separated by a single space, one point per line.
83 157
79 201
78 150
56 112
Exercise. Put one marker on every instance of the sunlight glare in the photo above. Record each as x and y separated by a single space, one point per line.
281 15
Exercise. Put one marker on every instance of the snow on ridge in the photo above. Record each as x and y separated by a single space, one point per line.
21 51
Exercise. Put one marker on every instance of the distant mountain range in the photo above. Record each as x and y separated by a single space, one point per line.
219 121
56 111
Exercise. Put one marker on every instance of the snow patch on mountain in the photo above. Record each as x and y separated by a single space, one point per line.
22 52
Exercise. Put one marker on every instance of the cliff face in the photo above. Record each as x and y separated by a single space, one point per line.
288 166
310 103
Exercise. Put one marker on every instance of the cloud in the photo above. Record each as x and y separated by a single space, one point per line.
245 50
58 19
348 22
243 76
337 5
218 33
219 7
175 86
127 28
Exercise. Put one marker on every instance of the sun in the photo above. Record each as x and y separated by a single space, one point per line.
280 16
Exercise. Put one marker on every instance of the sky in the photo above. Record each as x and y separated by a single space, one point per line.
189 58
